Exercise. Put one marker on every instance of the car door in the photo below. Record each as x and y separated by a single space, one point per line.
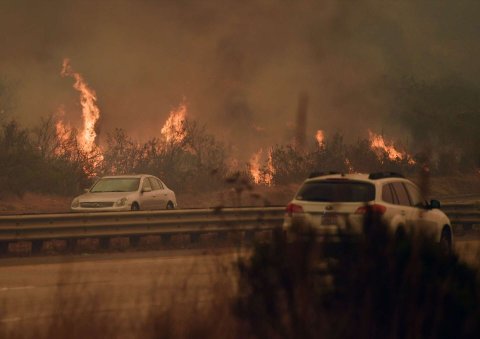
423 218
402 199
391 215
165 193
147 200
158 199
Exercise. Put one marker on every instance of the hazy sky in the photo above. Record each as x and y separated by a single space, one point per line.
240 64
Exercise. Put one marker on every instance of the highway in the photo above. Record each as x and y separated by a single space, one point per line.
50 292
123 289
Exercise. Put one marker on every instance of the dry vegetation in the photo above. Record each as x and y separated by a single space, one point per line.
42 169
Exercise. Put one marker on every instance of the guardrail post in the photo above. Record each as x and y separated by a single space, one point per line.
222 236
165 238
4 247
37 246
134 240
104 243
71 244
249 235
195 237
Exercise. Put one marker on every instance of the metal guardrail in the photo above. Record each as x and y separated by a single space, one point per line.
72 226
467 215
109 224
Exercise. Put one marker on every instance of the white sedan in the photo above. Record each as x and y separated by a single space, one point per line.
125 193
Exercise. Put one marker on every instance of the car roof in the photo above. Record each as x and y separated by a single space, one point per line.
356 176
127 176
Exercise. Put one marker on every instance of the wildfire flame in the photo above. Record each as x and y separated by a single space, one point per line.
255 167
174 128
90 110
320 136
349 166
268 178
62 130
262 175
377 142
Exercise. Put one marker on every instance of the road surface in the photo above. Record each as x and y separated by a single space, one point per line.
129 287
123 290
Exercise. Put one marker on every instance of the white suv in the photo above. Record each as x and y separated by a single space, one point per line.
333 202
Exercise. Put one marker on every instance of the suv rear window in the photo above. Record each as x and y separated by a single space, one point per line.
337 191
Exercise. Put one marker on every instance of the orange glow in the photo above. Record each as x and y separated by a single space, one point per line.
349 166
62 130
262 174
90 110
255 167
174 128
268 178
320 136
377 142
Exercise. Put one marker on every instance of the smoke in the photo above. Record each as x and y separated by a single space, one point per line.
240 64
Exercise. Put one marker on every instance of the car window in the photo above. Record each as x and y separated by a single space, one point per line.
160 183
394 195
337 191
401 194
154 184
146 184
116 185
415 195
387 194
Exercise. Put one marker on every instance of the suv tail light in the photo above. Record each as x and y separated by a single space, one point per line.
375 208
293 208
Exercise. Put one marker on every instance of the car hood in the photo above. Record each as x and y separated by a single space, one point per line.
105 196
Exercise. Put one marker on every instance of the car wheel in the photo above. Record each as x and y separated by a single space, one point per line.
170 206
135 207
446 241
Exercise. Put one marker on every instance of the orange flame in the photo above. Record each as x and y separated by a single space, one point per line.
90 110
174 128
62 130
255 167
268 178
349 166
320 136
377 142
262 174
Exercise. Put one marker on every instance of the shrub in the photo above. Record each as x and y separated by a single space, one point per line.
373 286
39 162
194 163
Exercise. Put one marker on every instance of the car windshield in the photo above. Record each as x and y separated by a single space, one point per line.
116 185
337 191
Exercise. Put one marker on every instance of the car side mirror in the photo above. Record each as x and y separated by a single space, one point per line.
146 189
434 204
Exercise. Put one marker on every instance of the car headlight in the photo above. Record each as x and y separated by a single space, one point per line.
75 203
121 202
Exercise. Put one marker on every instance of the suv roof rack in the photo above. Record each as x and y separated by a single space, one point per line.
382 175
321 174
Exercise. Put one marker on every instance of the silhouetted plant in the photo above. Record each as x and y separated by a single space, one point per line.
374 285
